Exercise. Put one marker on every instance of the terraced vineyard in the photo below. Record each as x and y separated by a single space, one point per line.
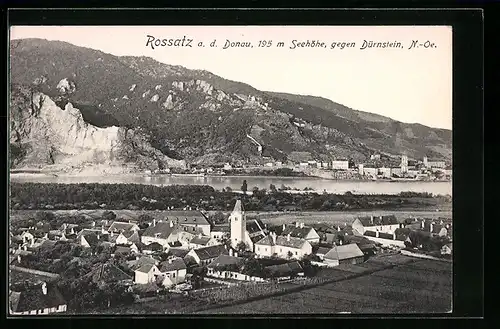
411 286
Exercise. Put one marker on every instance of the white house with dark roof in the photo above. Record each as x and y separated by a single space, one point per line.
347 253
201 241
146 273
282 247
127 237
39 299
172 271
118 227
385 224
160 232
190 221
220 232
204 256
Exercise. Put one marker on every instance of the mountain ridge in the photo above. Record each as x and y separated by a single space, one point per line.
145 95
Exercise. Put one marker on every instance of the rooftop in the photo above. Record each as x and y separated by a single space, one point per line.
345 251
282 241
33 298
107 273
122 226
172 265
161 230
210 252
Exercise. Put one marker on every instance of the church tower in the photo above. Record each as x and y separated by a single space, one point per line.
237 222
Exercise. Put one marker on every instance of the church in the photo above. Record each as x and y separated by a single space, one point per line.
242 231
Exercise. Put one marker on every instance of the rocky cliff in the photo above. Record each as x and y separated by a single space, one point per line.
44 134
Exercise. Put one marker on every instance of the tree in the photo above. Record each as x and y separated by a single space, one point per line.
272 188
241 247
244 186
109 215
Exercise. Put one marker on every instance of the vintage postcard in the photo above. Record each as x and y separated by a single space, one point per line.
230 170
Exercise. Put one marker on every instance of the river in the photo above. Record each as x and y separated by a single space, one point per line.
318 184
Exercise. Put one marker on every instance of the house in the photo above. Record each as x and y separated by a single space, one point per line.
140 261
321 252
119 227
27 237
285 271
160 233
127 237
146 273
152 248
219 232
108 273
302 232
173 271
202 241
36 300
243 232
178 252
190 221
347 253
122 250
282 247
204 256
89 240
386 224
447 249
227 267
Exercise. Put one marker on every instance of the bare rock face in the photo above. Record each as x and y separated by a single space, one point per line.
66 86
44 134
168 104
154 98
178 85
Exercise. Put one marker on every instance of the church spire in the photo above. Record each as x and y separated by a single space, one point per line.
238 207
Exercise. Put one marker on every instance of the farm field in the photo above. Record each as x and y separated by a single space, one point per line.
330 217
412 286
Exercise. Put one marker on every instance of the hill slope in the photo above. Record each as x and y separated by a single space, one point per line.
196 116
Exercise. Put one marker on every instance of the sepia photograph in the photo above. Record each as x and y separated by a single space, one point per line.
219 170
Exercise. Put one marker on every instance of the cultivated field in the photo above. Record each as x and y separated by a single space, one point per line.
411 286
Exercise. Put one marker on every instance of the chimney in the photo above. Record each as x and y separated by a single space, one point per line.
230 252
340 242
171 223
19 259
170 260
154 221
301 225
422 223
199 235
112 234
296 224
44 288
235 254
288 237
376 234
284 226
98 236
431 227
371 219
338 228
273 236
394 235
93 223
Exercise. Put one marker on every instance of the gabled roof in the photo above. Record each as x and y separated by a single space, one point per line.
172 265
297 232
132 236
122 226
107 273
286 269
145 268
200 240
223 261
345 251
283 241
122 250
210 252
178 252
322 251
254 226
163 230
187 217
220 228
135 264
91 239
33 299
153 246
324 228
378 220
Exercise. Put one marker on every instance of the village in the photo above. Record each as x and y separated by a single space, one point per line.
185 252
379 167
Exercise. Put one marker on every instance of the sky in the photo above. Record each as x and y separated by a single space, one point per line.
408 85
